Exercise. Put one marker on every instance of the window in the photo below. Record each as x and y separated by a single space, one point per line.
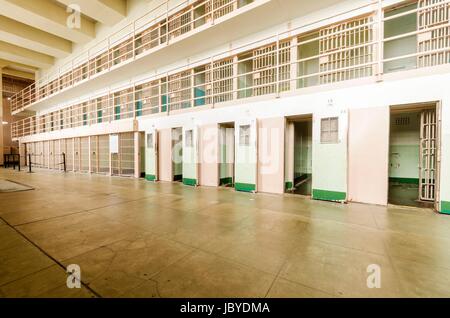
189 138
329 130
244 135
150 141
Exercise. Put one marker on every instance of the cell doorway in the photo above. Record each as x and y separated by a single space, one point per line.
227 154
177 154
414 145
298 156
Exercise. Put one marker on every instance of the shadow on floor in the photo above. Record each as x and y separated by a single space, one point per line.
407 195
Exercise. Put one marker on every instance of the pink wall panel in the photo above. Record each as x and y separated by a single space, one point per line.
208 154
271 155
369 155
165 154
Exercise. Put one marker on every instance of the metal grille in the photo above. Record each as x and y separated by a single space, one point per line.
428 151
222 78
436 38
147 39
221 7
180 90
80 73
94 154
126 152
69 154
180 23
344 46
123 104
284 68
103 154
148 95
122 52
45 154
76 157
51 155
99 63
264 78
84 154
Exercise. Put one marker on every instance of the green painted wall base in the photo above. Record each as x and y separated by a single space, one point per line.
228 180
150 177
189 182
245 187
405 180
288 185
445 207
328 195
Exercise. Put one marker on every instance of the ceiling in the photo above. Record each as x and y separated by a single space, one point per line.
33 34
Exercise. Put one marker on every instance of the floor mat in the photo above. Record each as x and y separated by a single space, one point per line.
11 186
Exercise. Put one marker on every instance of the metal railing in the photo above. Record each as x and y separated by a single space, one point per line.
276 65
142 35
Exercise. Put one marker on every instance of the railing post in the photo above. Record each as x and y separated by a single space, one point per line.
29 163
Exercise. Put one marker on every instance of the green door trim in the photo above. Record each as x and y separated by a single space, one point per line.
150 177
329 195
189 182
445 207
245 187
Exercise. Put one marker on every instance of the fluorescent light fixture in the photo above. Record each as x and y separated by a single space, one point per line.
4 123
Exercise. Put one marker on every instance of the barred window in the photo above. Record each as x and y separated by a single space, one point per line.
189 138
150 141
329 130
244 135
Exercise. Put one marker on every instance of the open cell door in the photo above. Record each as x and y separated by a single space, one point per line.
289 152
190 155
151 155
246 155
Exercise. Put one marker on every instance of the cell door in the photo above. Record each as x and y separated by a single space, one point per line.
76 155
84 154
103 154
226 155
45 156
126 154
61 148
190 155
94 154
246 155
51 154
151 155
289 152
69 154
428 155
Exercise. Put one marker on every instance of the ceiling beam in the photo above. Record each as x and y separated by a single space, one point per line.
18 54
48 16
18 66
16 73
34 39
108 12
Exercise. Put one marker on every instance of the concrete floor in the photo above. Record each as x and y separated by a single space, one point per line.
134 238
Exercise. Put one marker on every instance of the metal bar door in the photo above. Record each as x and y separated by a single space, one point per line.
428 155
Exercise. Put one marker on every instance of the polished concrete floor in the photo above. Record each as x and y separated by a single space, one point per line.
133 238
